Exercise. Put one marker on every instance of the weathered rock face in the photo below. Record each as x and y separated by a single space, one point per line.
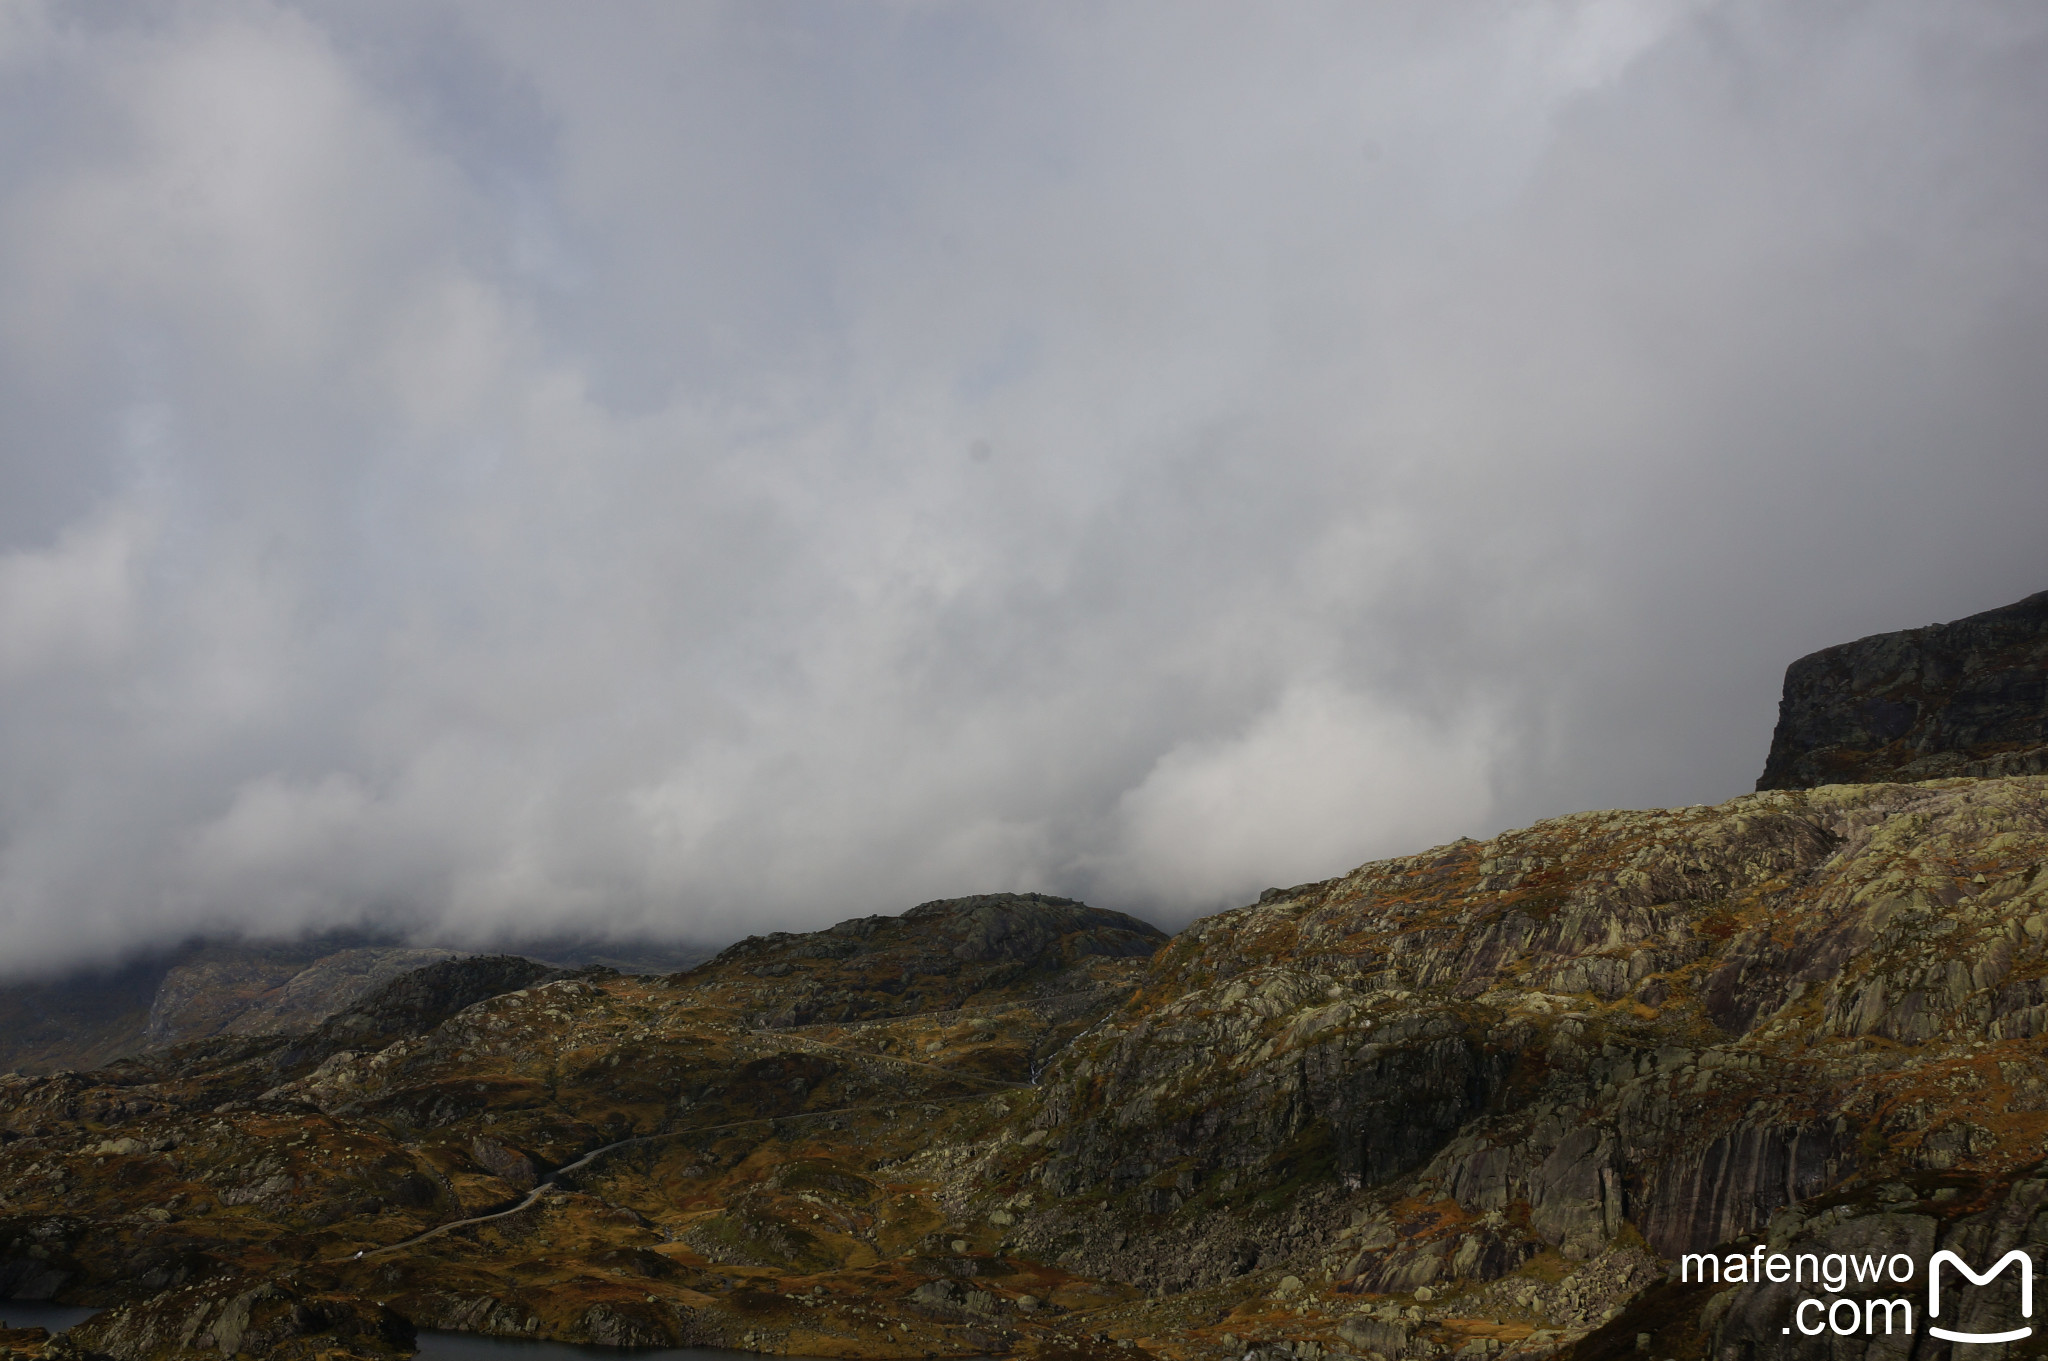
1966 698
213 986
27 1275
246 1319
414 1003
329 985
1670 1024
1860 1253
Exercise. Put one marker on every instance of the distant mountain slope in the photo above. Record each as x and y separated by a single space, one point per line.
80 1021
220 989
491 1087
208 988
202 988
1965 698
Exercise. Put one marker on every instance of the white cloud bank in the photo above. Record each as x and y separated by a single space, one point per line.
694 469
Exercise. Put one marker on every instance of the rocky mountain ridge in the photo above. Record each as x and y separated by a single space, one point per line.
216 987
1478 1097
1472 1103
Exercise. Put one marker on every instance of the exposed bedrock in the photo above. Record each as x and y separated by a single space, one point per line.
1964 698
244 1318
1673 1024
1866 1230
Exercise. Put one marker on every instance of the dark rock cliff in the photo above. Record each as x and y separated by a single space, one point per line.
414 1003
1965 698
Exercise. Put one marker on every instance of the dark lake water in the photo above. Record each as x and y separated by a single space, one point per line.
433 1346
55 1317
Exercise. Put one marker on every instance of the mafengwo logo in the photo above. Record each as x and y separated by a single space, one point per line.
1846 1316
2017 1258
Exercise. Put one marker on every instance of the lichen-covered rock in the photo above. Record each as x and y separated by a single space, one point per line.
1404 1033
1371 1335
230 1318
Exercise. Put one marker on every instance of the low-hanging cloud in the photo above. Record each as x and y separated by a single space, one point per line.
681 470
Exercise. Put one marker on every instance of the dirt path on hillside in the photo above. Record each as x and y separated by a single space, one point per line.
550 1181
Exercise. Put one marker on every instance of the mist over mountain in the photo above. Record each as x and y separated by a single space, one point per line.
198 989
1583 1090
474 471
925 680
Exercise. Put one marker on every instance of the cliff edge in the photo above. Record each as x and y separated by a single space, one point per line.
1965 698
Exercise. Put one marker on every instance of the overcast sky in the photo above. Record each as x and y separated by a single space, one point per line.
688 469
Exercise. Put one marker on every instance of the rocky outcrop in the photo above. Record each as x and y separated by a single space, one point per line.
228 1318
213 985
1648 1023
18 1344
615 1317
329 985
414 1003
937 956
199 990
1860 1254
1965 698
31 1278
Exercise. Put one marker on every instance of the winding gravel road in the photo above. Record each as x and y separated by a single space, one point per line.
551 1181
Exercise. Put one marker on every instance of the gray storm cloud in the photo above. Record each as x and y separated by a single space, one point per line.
499 468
